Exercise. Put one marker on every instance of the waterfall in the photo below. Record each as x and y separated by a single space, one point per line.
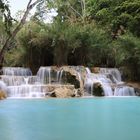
16 71
89 84
114 74
124 91
21 83
59 76
110 81
92 78
26 91
44 75
3 86
88 70
26 79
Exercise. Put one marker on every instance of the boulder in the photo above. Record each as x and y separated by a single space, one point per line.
95 69
79 92
63 92
97 89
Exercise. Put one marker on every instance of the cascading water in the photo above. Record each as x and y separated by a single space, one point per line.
113 73
110 81
17 81
124 91
59 76
16 71
3 86
44 75
92 78
88 70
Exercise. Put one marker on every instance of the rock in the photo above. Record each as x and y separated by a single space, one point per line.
79 92
63 92
95 69
136 86
70 76
97 89
137 90
2 95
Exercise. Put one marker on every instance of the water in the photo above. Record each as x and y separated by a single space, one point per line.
70 119
59 75
114 72
16 71
44 74
110 81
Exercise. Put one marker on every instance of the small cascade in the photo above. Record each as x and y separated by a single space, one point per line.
92 79
16 71
20 83
113 73
110 81
25 91
89 85
124 91
88 70
44 75
13 80
3 86
26 79
59 76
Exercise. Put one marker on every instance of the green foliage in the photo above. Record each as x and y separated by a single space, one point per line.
6 15
128 54
32 44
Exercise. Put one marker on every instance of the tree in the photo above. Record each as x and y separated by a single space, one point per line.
5 15
13 33
128 54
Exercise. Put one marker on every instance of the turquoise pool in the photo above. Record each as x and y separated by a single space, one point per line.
70 119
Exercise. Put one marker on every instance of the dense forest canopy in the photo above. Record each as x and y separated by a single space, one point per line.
101 33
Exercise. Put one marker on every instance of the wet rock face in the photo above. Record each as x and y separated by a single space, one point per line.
71 79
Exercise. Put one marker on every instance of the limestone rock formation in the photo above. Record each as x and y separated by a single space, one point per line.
63 92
